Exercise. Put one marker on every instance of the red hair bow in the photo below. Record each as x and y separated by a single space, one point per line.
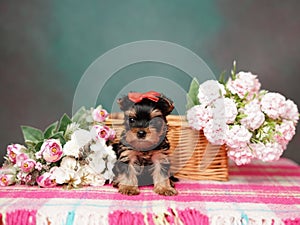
138 97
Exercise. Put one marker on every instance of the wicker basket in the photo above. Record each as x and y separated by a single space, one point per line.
192 156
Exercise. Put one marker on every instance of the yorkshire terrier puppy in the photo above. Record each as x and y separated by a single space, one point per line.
142 152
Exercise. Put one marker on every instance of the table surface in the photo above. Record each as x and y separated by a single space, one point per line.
259 193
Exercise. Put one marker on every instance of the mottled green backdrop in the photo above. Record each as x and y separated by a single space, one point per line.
45 47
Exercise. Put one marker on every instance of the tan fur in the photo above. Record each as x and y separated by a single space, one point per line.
162 184
146 155
155 113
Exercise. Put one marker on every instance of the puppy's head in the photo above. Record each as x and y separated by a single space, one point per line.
145 119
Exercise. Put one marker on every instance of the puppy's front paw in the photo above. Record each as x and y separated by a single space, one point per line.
128 190
166 191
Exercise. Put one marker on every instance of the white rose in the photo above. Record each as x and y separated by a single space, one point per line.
91 177
78 139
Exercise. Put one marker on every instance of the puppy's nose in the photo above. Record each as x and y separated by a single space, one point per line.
141 134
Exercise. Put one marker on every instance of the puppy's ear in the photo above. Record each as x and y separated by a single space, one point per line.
165 104
124 103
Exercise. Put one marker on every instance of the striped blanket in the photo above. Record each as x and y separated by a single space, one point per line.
255 194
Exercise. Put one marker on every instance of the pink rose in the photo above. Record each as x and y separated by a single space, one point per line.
51 150
112 134
99 114
103 132
238 137
21 157
245 84
198 116
13 151
28 165
7 179
272 104
46 180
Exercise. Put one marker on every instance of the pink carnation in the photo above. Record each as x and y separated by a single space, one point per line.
238 137
254 116
272 104
215 131
290 111
245 83
240 155
224 109
198 116
284 133
267 152
209 91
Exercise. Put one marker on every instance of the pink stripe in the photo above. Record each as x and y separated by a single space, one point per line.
21 191
182 197
110 191
264 166
264 173
240 187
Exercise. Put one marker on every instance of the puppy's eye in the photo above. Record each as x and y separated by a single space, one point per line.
131 120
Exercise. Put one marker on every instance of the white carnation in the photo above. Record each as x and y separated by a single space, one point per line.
215 131
245 84
290 111
272 104
198 116
209 91
238 137
254 116
224 109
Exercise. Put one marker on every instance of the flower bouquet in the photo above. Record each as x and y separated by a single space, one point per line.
73 152
252 123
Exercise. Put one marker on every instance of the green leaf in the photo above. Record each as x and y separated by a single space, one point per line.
32 135
50 130
233 71
222 77
59 135
64 122
192 98
38 146
79 114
